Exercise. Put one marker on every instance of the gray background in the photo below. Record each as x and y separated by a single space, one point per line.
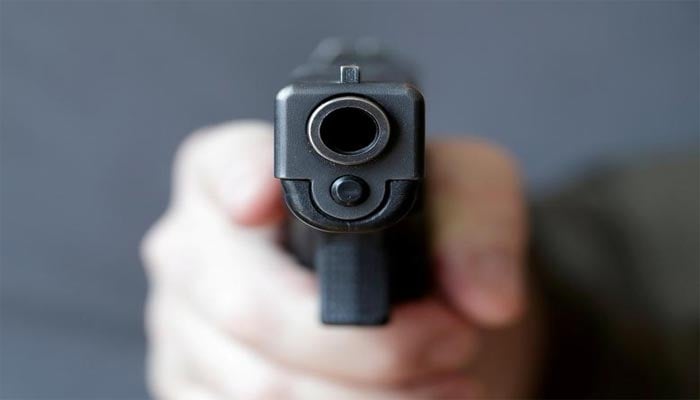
95 97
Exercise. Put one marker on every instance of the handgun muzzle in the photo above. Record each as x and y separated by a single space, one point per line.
348 130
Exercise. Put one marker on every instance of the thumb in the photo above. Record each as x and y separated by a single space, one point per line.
477 217
247 188
230 166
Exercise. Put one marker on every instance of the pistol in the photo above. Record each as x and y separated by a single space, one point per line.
349 153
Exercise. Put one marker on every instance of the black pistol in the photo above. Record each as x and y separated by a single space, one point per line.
349 152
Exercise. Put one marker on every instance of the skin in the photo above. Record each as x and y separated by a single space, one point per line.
230 314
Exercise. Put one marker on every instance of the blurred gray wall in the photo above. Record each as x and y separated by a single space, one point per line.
95 97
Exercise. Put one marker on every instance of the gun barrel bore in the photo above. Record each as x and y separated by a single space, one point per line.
348 130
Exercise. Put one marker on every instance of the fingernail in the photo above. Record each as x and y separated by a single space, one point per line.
494 272
486 284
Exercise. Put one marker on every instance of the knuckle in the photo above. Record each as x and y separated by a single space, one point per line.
158 245
152 246
153 319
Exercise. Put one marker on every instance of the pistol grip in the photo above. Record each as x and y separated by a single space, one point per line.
354 279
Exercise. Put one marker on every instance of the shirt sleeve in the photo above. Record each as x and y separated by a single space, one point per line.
616 257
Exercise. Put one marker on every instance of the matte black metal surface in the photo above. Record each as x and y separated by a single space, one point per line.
402 159
383 174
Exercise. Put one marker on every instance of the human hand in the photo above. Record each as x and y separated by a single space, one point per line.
230 314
